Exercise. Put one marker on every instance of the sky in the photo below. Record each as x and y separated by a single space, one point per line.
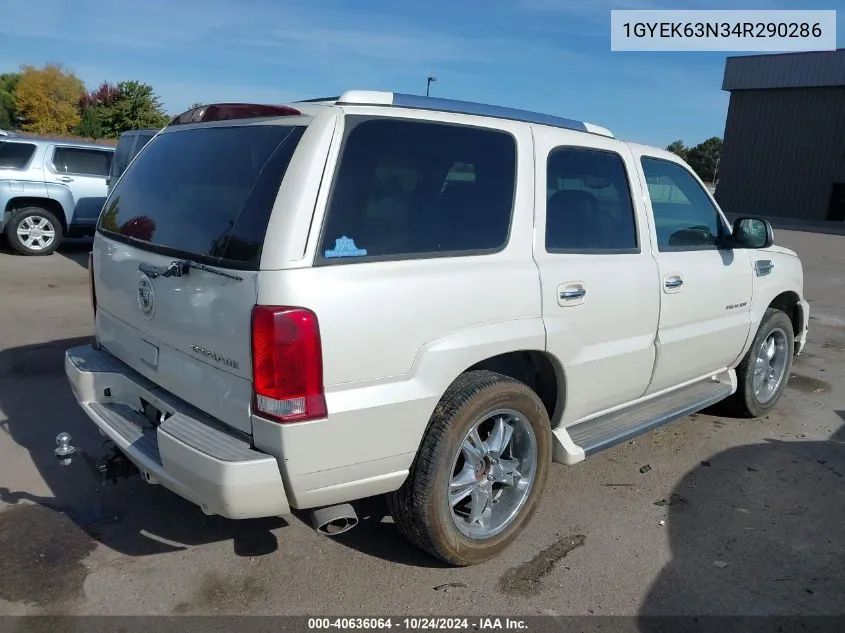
551 56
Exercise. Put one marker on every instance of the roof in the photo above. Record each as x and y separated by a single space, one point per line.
816 69
220 113
400 100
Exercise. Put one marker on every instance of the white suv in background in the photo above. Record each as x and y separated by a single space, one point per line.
301 306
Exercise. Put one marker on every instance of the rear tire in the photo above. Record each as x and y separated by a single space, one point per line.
495 469
34 231
764 371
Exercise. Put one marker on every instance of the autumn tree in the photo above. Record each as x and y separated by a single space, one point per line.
47 99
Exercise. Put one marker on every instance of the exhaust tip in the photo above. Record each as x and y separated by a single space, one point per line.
338 526
334 520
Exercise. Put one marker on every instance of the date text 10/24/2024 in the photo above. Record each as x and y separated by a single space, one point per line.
419 624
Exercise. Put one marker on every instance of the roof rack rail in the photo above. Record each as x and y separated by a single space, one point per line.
228 111
318 100
400 100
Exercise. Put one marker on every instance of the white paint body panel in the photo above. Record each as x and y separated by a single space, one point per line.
396 334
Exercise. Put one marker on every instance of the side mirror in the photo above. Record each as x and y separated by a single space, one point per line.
753 233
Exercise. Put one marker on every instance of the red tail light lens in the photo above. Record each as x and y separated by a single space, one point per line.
287 364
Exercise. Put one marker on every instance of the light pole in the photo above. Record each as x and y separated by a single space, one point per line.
428 84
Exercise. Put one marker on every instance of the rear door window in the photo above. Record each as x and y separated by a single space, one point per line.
15 155
204 193
405 189
85 162
588 208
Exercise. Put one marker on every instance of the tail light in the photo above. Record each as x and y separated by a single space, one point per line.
287 364
91 283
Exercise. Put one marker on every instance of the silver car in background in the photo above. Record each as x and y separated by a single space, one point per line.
50 189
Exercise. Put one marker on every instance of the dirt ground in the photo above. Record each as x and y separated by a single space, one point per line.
734 516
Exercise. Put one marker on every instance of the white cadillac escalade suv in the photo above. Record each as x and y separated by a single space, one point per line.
383 294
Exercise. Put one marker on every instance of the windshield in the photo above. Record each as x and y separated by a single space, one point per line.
205 193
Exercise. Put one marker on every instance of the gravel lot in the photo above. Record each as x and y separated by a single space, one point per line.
754 519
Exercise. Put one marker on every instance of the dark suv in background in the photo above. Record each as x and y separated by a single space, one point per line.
129 144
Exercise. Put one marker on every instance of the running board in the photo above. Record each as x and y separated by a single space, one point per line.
594 435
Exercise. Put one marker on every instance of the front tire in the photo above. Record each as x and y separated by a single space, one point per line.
34 231
479 473
764 371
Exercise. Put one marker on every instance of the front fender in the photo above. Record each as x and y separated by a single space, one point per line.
786 276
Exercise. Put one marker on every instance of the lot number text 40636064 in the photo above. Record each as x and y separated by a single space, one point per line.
419 624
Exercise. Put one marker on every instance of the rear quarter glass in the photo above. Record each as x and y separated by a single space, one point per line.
204 193
408 189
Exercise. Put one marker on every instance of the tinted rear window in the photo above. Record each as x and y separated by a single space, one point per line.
408 189
15 155
205 193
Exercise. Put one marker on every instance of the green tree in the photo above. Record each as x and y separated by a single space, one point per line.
677 147
47 99
134 106
8 112
704 158
90 123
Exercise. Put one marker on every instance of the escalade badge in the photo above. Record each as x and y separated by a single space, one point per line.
146 296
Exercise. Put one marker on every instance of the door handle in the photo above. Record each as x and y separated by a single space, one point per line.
673 282
573 293
64 179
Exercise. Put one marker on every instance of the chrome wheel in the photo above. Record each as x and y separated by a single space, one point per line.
36 232
770 365
492 474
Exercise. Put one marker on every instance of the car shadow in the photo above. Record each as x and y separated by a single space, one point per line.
133 517
74 249
760 524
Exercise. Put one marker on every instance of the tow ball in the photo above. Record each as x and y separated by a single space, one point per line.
113 465
64 452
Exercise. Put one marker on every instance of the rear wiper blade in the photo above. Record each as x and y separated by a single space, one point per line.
180 268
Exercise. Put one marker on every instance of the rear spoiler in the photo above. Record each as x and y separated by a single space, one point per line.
227 111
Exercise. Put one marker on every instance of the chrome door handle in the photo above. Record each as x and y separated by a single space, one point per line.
573 294
675 282
64 179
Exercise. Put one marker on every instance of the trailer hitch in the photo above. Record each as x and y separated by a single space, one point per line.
113 465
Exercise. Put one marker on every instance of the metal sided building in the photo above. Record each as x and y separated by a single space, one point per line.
783 154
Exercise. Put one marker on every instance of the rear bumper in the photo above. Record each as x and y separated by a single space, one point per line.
189 453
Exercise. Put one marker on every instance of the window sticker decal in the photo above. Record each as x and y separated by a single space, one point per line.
345 247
